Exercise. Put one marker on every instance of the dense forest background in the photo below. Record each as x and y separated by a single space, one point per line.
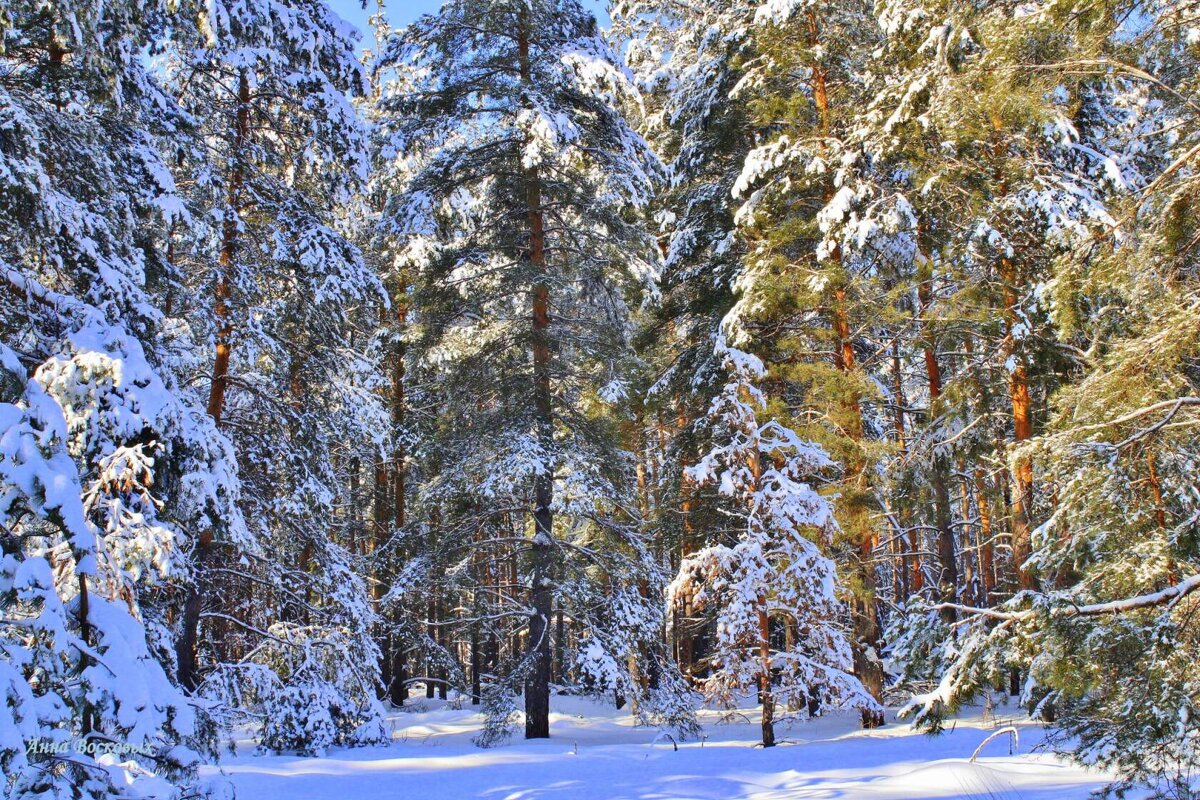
826 354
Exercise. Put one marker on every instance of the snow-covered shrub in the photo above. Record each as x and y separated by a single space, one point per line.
300 719
500 715
310 688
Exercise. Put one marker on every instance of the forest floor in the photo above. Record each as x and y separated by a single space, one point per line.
596 753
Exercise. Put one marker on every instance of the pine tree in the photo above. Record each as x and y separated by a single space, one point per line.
106 471
822 230
513 196
273 281
768 576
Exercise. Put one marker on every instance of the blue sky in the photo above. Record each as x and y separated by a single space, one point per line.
401 12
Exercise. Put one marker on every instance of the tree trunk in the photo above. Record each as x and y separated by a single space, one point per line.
938 477
394 654
382 516
431 632
476 662
686 645
185 648
1022 416
537 681
229 245
867 633
898 400
1018 386
87 722
443 637
764 678
987 569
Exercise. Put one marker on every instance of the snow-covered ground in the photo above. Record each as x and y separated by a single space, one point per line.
596 752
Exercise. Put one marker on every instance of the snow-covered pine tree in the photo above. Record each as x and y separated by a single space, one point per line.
1109 568
687 59
275 286
77 664
767 580
514 185
106 474
822 230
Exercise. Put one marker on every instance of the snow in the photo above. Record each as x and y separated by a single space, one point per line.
597 752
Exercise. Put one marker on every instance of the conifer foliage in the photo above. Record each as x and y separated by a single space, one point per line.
514 186
816 355
772 570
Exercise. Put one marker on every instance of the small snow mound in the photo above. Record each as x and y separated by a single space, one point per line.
954 778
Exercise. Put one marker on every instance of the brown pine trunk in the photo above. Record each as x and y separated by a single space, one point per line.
537 682
970 547
1018 388
185 648
1160 509
228 254
764 678
987 566
1022 416
686 646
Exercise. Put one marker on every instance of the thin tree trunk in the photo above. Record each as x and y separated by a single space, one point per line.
764 678
987 567
431 632
393 655
229 246
901 559
898 400
947 559
1022 416
443 636
1018 390
970 551
476 660
87 715
382 516
686 646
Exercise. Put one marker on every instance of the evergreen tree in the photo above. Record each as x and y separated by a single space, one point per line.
769 578
275 285
513 196
106 471
822 231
